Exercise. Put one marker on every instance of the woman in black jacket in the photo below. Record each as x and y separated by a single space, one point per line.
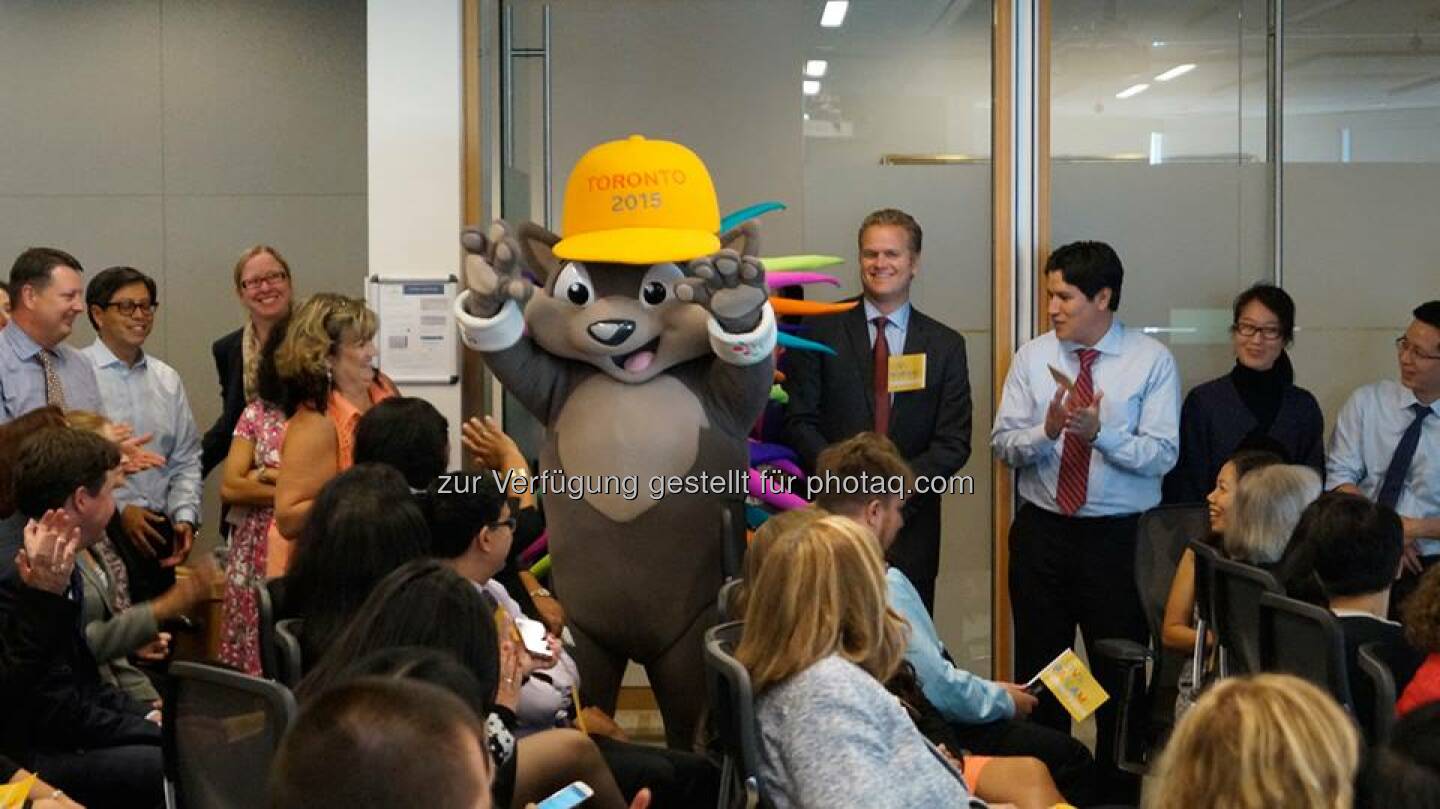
1255 406
262 282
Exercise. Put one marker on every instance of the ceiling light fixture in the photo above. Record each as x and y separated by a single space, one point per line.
1175 72
834 14
1132 90
815 68
811 88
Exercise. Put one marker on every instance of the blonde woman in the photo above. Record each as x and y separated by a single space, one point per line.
326 367
819 640
1265 509
1255 743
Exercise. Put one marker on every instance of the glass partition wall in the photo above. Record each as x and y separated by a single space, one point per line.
1158 138
1157 127
1361 183
890 107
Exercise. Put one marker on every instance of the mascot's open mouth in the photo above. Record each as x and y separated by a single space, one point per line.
639 359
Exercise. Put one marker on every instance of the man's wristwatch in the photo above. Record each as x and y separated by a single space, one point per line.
541 592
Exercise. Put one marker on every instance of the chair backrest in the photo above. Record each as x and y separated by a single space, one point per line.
1162 535
732 712
1205 556
728 598
265 608
289 667
221 731
1304 640
1235 591
1377 713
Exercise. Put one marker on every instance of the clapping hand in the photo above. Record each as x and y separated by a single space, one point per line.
48 557
492 448
133 455
1084 422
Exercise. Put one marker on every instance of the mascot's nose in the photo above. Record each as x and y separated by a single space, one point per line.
612 332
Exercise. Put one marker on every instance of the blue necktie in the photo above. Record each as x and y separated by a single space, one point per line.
1404 454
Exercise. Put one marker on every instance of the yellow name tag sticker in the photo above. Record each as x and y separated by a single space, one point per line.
907 373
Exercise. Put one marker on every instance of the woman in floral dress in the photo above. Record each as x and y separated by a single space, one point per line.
248 487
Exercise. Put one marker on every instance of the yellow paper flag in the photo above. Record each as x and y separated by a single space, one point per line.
14 795
1074 685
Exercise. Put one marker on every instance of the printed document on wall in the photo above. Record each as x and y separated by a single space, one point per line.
417 337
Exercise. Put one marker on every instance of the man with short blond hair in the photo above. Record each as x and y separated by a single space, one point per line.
912 386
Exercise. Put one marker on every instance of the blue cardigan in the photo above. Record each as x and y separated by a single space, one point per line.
1213 422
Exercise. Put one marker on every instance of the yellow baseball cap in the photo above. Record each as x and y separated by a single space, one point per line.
638 201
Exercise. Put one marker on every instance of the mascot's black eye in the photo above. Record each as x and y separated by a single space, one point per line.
574 283
655 286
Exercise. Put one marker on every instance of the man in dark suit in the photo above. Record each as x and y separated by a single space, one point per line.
913 386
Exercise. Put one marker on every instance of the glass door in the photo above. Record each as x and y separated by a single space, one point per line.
888 108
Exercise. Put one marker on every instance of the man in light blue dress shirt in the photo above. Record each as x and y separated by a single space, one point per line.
148 394
1389 433
47 294
1089 421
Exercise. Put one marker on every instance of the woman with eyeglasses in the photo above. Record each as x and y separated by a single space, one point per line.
1255 406
262 283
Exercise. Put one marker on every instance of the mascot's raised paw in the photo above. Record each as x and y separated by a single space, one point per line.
730 286
494 272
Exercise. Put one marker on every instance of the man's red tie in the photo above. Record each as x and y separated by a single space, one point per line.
881 356
1070 490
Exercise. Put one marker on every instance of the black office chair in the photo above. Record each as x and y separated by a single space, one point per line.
1306 641
1205 556
289 667
732 712
1235 591
1375 695
1145 704
221 730
728 600
266 609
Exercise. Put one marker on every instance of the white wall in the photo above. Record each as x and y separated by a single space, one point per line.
413 71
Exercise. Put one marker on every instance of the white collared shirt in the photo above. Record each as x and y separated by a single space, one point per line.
1367 432
1139 421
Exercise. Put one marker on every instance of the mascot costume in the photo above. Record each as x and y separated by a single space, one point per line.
647 350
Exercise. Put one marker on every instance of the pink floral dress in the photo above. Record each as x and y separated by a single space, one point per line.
264 426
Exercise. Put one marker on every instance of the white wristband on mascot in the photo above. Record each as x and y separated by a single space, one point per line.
748 348
495 333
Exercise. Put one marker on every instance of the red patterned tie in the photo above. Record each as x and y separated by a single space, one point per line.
881 380
1070 490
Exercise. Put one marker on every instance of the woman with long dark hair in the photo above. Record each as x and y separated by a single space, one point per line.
364 524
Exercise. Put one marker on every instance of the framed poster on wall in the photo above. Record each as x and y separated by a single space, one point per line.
417 338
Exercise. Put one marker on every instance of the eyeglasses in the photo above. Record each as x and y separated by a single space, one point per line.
130 308
1403 345
268 279
508 522
1250 330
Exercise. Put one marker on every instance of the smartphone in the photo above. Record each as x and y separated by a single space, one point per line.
573 795
532 634
1061 379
